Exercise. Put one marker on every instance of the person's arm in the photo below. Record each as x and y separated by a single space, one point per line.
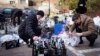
29 26
91 28
71 27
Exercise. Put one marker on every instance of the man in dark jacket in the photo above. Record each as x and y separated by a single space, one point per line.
16 13
85 27
29 28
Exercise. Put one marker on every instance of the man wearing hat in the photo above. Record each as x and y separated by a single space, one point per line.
29 29
85 27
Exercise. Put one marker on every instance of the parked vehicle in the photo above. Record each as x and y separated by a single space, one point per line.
6 12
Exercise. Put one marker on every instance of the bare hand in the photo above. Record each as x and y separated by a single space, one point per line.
36 38
79 34
70 33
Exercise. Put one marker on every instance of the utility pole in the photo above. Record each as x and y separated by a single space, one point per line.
49 8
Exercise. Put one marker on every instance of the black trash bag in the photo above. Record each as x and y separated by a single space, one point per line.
11 44
81 9
82 2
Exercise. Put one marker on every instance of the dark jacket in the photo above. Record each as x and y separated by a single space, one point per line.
87 25
29 27
16 13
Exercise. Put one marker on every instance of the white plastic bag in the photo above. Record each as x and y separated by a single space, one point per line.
12 29
50 23
73 40
6 38
10 37
97 21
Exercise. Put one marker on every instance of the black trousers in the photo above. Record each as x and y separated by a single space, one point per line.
91 38
25 37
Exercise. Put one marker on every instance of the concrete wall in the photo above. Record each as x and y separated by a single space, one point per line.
22 4
8 1
4 1
17 3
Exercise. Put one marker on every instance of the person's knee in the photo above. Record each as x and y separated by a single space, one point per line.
92 37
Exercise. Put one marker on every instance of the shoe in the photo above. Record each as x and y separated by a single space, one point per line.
91 44
81 42
30 43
